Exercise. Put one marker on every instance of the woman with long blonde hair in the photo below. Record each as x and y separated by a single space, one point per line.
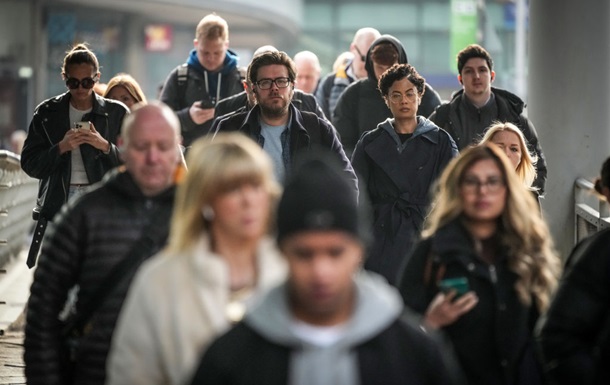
485 269
511 140
219 258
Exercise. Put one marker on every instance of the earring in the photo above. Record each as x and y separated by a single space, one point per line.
208 213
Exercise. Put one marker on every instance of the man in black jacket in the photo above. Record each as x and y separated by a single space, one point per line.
329 323
91 236
275 123
477 105
245 100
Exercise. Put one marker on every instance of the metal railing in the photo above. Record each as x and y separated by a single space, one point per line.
17 198
591 212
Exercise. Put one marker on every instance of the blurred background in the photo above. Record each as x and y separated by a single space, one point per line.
148 38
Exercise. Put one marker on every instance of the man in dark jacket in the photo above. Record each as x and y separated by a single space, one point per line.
361 108
473 109
245 100
209 75
329 323
333 84
91 236
275 123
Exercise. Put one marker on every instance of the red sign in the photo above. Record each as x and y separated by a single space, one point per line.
158 37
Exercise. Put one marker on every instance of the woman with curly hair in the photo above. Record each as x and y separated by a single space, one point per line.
485 269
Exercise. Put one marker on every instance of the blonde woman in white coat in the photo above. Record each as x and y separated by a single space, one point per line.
218 259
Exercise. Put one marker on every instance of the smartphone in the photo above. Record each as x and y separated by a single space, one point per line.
459 284
81 126
207 103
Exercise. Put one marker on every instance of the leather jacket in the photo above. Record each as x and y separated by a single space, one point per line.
41 159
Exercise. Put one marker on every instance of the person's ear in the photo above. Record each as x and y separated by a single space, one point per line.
460 79
493 75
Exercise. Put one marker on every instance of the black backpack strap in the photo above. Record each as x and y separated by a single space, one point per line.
183 75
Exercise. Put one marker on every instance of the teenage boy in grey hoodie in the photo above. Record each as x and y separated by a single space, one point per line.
331 322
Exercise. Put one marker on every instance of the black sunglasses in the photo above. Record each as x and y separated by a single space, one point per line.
362 57
87 83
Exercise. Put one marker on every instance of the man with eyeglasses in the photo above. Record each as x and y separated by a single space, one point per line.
276 124
71 140
333 84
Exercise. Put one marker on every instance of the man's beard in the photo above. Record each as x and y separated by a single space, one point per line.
275 110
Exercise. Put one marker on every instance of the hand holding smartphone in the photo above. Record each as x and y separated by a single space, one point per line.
459 284
206 103
82 126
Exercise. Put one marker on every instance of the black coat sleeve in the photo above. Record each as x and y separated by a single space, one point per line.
579 317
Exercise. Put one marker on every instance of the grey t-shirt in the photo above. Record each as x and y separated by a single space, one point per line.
273 147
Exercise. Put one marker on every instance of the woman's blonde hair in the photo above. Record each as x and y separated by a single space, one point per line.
525 236
127 82
215 166
526 169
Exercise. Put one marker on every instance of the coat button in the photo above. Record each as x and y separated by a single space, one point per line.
502 307
504 363
470 266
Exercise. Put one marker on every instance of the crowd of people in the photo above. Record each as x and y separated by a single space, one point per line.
269 225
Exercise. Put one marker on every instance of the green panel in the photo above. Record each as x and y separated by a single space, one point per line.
380 15
464 26
436 17
318 16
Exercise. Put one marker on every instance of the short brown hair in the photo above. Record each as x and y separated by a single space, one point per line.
473 51
385 54
212 26
270 58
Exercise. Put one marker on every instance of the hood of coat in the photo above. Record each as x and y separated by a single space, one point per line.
402 54
378 305
423 126
515 103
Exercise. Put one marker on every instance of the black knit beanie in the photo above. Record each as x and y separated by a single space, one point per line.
318 195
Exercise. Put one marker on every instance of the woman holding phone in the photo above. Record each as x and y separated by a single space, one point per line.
485 269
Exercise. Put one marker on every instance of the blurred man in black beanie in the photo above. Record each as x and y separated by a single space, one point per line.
331 322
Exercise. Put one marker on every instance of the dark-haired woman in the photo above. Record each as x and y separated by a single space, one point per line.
575 335
64 154
64 157
397 163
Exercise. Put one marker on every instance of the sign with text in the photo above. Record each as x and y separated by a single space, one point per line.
158 37
464 27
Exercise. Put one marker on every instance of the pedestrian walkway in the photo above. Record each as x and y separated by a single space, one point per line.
15 281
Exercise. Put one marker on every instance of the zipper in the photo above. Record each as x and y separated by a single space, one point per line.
493 274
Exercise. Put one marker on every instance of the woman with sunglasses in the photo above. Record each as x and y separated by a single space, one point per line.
71 138
485 269
397 163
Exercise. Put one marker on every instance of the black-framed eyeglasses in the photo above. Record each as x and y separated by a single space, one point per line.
362 57
265 84
472 184
87 83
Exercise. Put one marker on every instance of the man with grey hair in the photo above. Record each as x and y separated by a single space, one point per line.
308 71
122 218
333 84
